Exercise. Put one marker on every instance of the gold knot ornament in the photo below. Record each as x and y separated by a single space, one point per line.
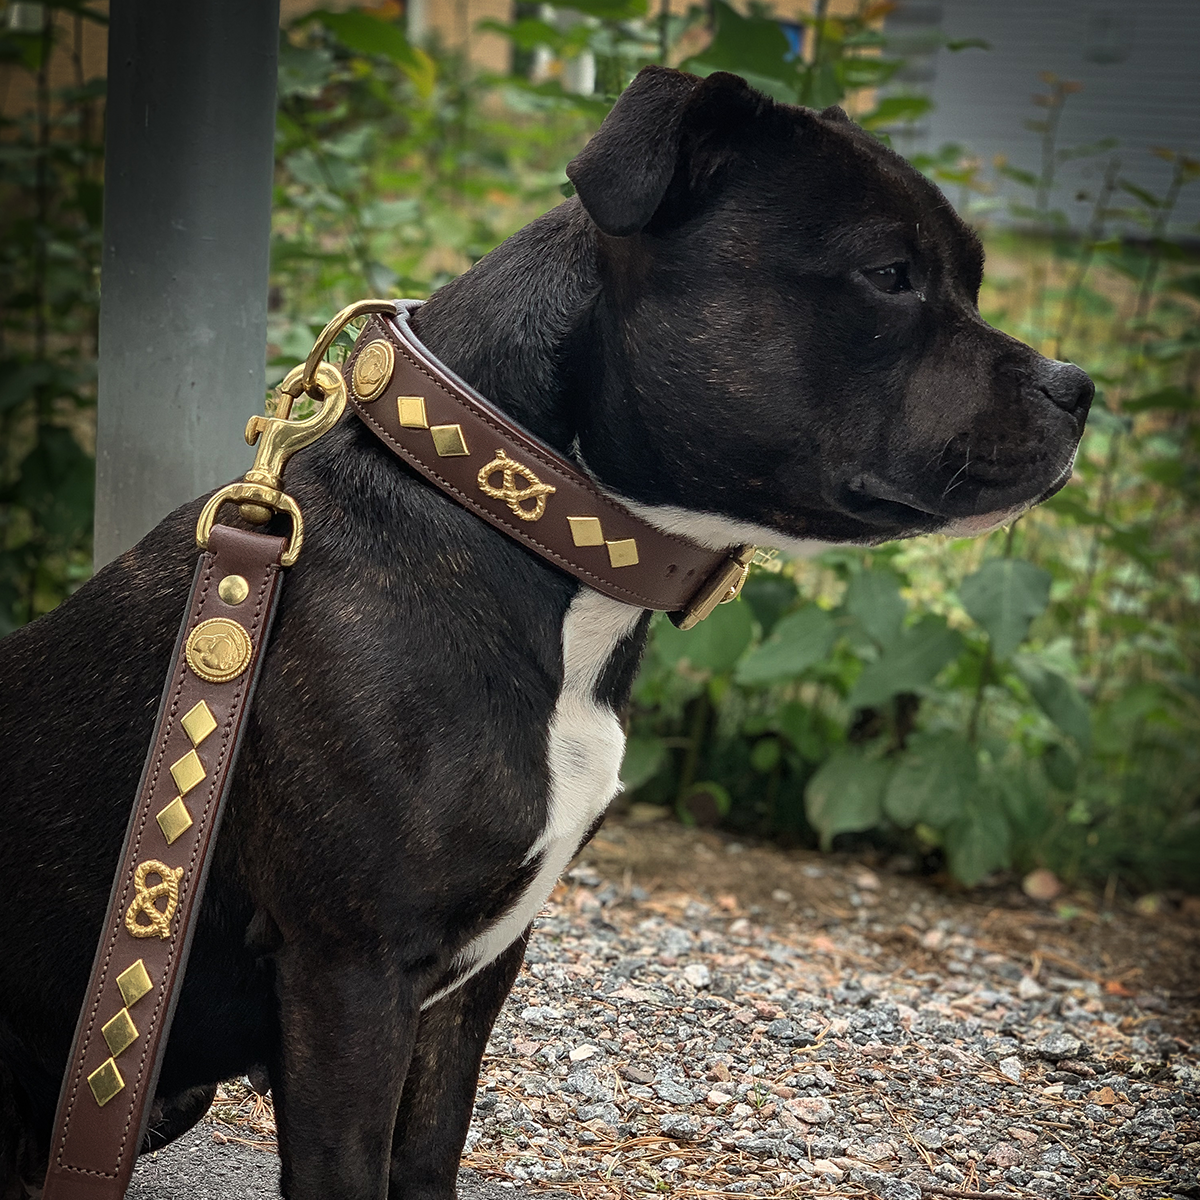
515 497
145 903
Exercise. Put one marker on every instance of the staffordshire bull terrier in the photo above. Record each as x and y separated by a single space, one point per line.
753 323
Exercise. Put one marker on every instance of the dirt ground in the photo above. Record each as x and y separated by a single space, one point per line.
1153 955
708 1018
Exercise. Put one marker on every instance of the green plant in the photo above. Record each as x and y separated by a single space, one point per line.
50 196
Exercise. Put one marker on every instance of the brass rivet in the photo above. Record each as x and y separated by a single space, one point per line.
218 650
233 589
411 410
187 772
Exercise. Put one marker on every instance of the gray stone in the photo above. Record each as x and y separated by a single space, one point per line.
1055 1045
678 1126
608 1113
672 1093
1010 1068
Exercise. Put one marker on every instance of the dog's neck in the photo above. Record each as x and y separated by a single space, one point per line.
511 325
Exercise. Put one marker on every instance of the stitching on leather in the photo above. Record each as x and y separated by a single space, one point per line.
483 415
467 501
151 783
187 884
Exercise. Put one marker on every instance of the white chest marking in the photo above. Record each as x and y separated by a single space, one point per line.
585 748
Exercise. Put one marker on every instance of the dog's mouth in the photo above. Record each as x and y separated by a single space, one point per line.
885 506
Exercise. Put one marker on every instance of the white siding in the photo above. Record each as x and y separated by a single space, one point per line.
1149 97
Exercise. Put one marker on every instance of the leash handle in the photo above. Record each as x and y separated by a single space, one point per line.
103 1107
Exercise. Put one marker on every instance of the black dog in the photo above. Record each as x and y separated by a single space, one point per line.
755 323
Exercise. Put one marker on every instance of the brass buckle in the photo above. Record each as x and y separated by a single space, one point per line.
259 492
724 586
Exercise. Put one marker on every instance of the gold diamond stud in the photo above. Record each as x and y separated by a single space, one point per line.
586 531
623 553
120 1033
105 1082
198 723
412 412
174 820
448 441
134 983
187 772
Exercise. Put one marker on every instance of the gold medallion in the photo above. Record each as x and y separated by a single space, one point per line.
218 650
373 370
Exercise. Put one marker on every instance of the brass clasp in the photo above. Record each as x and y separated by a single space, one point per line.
259 492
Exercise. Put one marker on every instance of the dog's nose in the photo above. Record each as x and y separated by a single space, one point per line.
1068 387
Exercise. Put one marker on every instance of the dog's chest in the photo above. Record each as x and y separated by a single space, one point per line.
585 745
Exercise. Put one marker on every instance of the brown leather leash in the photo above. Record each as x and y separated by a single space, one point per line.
453 436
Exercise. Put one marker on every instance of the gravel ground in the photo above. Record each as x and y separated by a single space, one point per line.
701 1018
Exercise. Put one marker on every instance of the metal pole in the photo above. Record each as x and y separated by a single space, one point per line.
188 169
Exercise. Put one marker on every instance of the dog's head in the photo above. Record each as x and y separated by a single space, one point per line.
790 334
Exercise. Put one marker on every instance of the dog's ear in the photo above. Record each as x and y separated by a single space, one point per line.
622 173
667 132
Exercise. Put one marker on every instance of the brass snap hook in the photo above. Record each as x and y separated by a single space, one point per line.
259 492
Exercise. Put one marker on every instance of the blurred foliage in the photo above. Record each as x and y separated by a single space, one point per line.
1032 698
51 174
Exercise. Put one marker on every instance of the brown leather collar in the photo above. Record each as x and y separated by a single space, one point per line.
446 430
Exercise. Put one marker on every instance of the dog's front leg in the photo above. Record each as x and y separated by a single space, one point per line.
439 1092
347 1027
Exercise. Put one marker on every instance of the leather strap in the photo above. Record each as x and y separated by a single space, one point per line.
123 1026
443 428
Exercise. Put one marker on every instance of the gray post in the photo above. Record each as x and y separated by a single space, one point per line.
188 168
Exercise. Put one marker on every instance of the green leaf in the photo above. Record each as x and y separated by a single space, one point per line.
895 110
1057 698
911 662
846 794
798 640
1169 399
365 34
644 756
764 757
934 781
874 598
303 71
1060 767
749 46
977 844
714 645
1004 596
606 10
795 721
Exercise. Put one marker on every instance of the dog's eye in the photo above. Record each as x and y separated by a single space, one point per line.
890 279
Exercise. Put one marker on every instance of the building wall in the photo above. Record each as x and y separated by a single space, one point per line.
1138 63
